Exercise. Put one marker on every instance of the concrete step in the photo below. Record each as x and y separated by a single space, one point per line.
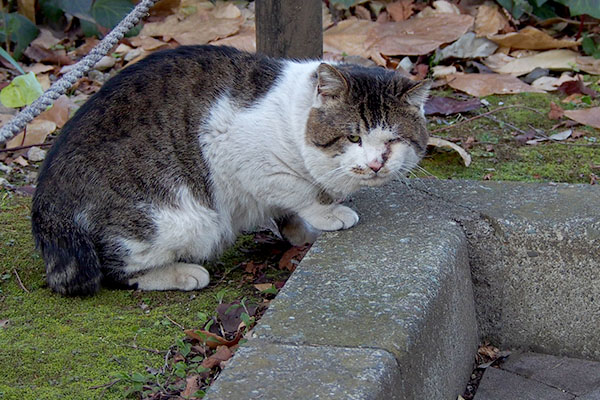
541 376
397 287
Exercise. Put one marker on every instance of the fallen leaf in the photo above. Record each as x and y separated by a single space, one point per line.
244 40
45 39
489 19
185 30
348 36
574 98
230 315
417 36
212 340
588 116
525 137
561 135
553 59
531 38
147 43
21 161
440 71
191 386
556 111
263 286
59 112
223 353
577 134
480 85
550 83
588 64
27 8
36 132
400 10
41 54
448 105
38 68
362 13
291 258
468 46
577 86
439 142
440 8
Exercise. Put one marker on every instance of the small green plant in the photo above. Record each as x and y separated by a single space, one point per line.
18 31
23 90
590 47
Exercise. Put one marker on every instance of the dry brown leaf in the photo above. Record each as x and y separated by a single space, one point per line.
489 20
45 39
531 38
550 83
574 98
440 8
59 112
588 64
552 59
400 10
416 36
147 43
588 116
485 84
191 386
556 111
27 8
36 132
38 68
244 40
165 7
348 36
263 286
212 340
41 54
439 142
223 353
362 13
215 24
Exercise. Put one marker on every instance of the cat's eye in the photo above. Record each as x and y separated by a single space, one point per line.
354 138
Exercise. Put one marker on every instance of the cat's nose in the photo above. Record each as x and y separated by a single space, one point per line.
375 165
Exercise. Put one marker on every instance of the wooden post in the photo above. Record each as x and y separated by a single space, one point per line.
289 28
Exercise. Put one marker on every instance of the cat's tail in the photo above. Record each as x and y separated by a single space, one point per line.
72 264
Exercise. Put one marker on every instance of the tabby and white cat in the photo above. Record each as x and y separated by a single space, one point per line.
173 157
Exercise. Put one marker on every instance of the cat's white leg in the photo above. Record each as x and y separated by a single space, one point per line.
297 231
177 276
332 217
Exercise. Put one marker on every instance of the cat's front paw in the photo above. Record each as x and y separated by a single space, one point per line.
333 219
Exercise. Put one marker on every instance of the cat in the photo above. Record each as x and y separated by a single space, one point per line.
178 153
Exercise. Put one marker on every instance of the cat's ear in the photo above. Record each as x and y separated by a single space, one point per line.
330 81
417 94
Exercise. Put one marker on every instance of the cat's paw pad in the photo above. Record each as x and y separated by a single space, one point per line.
340 217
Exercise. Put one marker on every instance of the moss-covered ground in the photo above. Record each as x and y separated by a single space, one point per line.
498 155
53 347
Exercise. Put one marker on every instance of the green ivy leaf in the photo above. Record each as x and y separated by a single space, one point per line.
588 45
108 13
580 7
22 91
81 9
19 30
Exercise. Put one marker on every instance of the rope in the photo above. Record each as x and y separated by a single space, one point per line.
61 86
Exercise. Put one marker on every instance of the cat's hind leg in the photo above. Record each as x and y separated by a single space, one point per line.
176 276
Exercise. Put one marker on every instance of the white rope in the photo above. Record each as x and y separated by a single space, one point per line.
61 86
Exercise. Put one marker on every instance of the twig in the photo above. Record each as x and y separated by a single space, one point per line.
20 282
105 387
133 346
496 120
483 115
175 323
25 147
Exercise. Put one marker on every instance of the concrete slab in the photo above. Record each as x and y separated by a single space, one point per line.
535 257
575 376
399 281
503 385
269 371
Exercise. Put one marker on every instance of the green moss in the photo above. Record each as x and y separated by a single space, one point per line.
55 347
499 156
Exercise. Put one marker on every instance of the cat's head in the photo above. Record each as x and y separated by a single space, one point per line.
366 127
